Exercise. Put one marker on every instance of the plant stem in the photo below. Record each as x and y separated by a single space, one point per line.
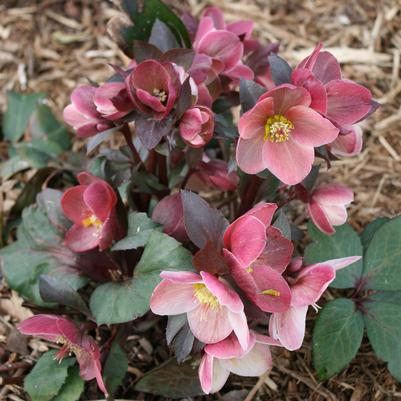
187 177
128 138
162 169
249 195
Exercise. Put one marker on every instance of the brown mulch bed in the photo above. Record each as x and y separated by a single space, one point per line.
51 45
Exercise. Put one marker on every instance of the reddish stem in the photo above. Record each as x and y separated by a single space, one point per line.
249 195
128 138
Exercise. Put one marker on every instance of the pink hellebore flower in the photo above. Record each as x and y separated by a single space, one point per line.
349 144
170 213
280 133
342 101
154 87
257 254
307 286
213 173
73 340
91 206
228 356
328 206
213 309
197 126
222 44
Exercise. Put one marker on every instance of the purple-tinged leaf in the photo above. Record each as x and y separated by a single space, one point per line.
162 37
145 51
182 57
151 131
280 70
249 93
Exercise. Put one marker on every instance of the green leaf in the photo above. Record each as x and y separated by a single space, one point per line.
143 14
12 166
115 368
122 302
19 110
337 336
382 320
172 380
370 230
47 377
281 222
382 269
345 242
140 226
72 388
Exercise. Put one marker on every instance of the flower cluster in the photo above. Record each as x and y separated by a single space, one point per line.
261 266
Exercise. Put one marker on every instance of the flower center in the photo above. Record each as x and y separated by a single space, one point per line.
160 94
92 221
205 296
278 129
67 349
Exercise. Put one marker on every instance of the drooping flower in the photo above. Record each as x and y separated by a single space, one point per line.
197 126
91 206
65 332
257 254
280 132
349 144
154 87
170 213
213 309
307 286
227 356
327 206
213 173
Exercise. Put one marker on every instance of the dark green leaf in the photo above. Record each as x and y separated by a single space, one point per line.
115 368
382 269
172 380
382 320
19 110
72 388
345 242
12 166
47 377
140 226
370 230
337 336
122 302
96 140
249 93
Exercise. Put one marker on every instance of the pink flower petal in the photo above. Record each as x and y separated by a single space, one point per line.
252 123
229 347
150 75
289 161
206 25
348 102
239 324
326 68
349 144
333 194
216 15
319 218
336 214
250 155
340 263
212 375
173 299
241 28
182 277
85 178
149 100
73 204
310 128
81 239
226 296
239 71
264 212
100 198
82 99
289 327
209 325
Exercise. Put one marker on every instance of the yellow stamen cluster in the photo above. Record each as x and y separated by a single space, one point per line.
92 221
160 94
278 129
273 293
205 296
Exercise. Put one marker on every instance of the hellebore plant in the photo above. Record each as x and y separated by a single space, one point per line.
234 294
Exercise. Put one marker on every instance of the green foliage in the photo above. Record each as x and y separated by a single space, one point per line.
72 388
49 379
120 302
115 368
345 242
172 380
337 337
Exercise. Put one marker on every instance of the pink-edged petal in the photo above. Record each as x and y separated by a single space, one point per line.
289 327
252 123
100 199
326 68
225 295
333 195
149 100
310 284
340 263
73 204
239 324
264 212
182 277
205 26
241 28
81 239
296 264
348 102
82 99
319 218
267 340
289 161
286 96
246 239
336 214
250 155
209 325
240 71
83 125
216 15
254 363
229 347
349 144
309 62
150 75
172 298
85 178
212 374
310 128
110 232
273 293
278 251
